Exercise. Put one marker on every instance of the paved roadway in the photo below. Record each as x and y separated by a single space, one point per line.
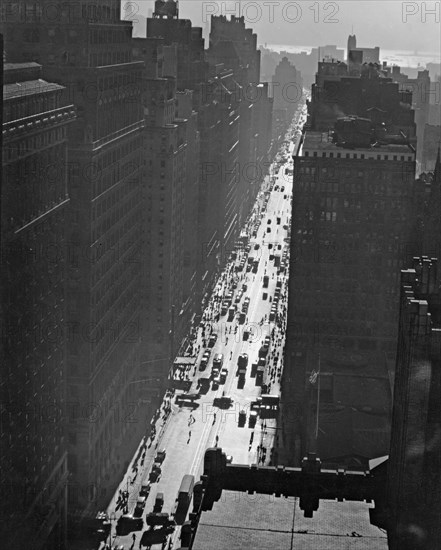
185 450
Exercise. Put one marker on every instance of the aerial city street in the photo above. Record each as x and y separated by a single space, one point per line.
218 409
220 317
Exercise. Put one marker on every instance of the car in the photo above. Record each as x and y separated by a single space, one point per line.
160 456
252 419
139 508
282 189
212 340
155 473
264 295
159 503
270 246
216 382
145 490
223 375
269 221
267 341
256 246
268 229
242 360
204 361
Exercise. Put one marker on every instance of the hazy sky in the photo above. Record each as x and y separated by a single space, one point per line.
390 24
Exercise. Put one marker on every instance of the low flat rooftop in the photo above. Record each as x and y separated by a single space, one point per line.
262 522
29 87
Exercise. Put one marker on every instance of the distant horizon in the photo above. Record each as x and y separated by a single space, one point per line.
398 51
405 59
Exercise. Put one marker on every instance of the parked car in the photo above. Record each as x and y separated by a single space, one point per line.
145 490
159 502
212 340
160 455
139 508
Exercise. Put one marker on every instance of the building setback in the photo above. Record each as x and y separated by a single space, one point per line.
88 49
414 488
351 233
33 380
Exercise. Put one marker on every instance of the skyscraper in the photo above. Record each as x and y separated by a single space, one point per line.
35 200
88 49
414 488
351 229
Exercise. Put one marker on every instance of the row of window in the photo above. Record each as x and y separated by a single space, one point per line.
360 156
379 187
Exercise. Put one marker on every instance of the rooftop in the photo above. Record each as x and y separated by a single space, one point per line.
322 141
29 87
262 522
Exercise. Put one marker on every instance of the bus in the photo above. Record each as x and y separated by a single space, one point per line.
185 491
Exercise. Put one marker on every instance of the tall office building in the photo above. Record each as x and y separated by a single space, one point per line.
414 487
215 101
287 91
351 228
88 49
33 461
170 253
234 46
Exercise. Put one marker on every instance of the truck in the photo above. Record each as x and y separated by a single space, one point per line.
242 374
185 491
231 313
259 375
242 361
265 281
276 260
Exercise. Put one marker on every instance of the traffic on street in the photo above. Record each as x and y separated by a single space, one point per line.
234 368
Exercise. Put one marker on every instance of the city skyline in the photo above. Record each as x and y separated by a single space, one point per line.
398 26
